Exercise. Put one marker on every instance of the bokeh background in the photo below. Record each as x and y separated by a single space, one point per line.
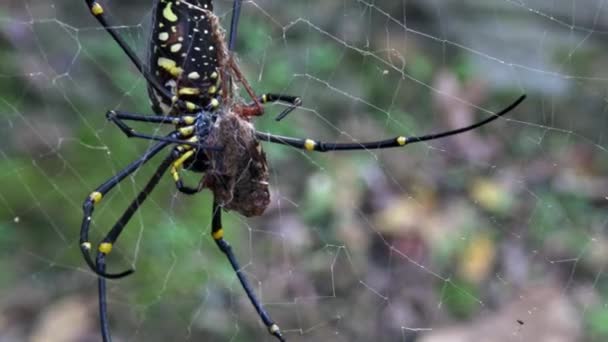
495 235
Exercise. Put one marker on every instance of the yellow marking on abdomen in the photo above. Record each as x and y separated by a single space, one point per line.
176 47
170 66
163 36
168 13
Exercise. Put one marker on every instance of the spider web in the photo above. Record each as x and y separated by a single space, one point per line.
498 234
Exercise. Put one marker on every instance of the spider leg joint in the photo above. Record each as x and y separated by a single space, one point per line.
105 247
218 234
96 197
274 329
310 145
96 9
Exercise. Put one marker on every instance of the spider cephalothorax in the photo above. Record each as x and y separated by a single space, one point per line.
192 79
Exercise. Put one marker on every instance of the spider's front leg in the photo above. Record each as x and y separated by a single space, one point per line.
217 232
105 247
185 122
398 141
188 143
255 108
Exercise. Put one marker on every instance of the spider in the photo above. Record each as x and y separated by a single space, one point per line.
192 76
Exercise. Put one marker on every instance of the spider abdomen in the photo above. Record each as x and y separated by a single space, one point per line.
185 55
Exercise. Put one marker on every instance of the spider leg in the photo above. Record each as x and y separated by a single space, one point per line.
293 101
218 235
160 119
251 109
180 155
255 108
319 146
234 23
96 197
103 304
98 12
184 132
105 247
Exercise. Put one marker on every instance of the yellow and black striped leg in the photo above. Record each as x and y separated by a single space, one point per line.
97 195
180 156
183 120
118 119
218 235
105 247
400 141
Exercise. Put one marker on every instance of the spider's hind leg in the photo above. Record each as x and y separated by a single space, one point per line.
217 233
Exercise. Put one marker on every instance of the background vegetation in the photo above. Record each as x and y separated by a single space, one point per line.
496 235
